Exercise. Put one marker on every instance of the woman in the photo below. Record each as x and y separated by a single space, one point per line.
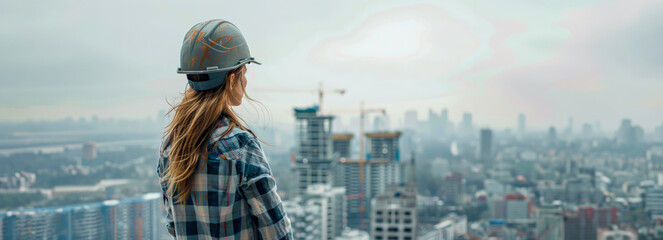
215 179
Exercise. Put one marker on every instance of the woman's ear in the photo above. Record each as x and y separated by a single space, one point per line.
231 79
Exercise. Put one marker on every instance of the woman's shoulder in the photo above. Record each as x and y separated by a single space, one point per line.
237 138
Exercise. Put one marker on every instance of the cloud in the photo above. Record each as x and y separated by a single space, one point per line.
595 74
399 43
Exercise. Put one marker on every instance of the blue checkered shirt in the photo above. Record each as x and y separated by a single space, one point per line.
233 194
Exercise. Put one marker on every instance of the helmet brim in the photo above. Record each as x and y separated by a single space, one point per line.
216 69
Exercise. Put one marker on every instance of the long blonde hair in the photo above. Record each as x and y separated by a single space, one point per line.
195 119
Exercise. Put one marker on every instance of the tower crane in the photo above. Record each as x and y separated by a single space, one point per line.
320 91
362 116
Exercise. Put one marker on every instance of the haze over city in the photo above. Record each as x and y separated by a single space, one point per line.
376 119
591 60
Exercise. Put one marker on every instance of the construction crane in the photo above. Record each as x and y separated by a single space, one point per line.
320 91
362 116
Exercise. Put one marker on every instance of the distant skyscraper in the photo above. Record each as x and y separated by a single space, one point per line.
521 123
434 125
569 128
394 214
629 134
444 120
89 151
467 125
411 120
486 147
432 116
313 159
452 189
587 130
381 123
552 135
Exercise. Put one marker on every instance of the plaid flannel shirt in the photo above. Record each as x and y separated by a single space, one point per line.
233 194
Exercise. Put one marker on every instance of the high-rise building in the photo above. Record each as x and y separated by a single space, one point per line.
89 151
394 213
135 218
521 123
654 202
376 175
381 123
305 218
526 168
452 189
486 147
552 135
549 222
467 127
314 150
497 206
518 207
586 220
445 124
629 134
333 208
411 120
342 145
383 146
587 130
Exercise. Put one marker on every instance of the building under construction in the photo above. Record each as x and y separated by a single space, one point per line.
383 145
312 163
366 179
342 144
377 174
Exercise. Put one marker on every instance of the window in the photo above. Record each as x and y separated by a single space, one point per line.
407 230
408 213
393 229
378 212
378 229
407 220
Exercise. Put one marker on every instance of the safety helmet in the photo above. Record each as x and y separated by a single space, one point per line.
210 50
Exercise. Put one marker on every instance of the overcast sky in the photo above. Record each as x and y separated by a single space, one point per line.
592 60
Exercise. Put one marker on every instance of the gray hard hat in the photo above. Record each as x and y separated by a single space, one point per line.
210 50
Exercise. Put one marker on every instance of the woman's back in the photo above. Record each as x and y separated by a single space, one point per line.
233 194
213 172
